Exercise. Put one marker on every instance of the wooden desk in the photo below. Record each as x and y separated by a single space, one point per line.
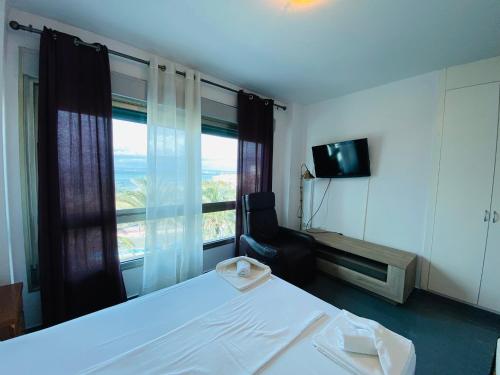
401 265
11 311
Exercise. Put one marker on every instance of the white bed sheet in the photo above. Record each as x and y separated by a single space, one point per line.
78 344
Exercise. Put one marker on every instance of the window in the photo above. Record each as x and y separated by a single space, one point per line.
219 148
219 157
130 162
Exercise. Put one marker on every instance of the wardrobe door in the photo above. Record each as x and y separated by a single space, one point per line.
464 191
489 295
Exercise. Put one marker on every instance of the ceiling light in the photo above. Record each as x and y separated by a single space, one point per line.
301 4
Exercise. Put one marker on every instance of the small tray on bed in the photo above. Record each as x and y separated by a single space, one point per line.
227 270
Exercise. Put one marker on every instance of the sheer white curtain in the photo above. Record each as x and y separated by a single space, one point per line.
174 245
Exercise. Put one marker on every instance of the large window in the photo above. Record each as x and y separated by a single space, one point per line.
219 150
130 146
130 156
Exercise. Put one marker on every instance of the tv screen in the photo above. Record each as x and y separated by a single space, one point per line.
342 159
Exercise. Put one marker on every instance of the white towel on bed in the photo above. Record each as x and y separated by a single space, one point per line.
227 269
239 337
395 354
243 268
357 340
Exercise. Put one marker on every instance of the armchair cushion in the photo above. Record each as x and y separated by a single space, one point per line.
289 258
259 201
267 251
261 217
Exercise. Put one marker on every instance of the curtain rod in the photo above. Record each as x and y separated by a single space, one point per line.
17 26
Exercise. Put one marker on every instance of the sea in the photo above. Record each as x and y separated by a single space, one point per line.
130 167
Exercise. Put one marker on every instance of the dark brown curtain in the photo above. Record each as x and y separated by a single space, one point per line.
78 256
255 150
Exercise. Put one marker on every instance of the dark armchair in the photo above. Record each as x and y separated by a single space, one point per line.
289 253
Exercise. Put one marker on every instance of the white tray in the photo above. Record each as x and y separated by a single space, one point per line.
258 272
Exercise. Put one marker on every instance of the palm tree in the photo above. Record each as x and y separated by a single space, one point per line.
216 225
127 199
217 191
133 198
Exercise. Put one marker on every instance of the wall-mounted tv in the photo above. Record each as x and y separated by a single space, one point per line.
342 159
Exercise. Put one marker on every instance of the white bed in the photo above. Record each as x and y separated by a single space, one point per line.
77 345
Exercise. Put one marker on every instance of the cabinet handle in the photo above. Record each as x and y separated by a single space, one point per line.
495 216
486 216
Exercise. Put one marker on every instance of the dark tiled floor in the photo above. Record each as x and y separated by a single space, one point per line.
449 337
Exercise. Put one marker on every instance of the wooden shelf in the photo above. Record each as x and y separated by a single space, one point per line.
380 253
401 265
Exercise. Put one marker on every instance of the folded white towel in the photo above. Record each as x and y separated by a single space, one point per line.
395 354
259 273
356 340
243 268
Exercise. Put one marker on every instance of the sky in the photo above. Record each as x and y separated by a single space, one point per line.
218 153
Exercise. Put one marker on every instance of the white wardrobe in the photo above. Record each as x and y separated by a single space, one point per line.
465 254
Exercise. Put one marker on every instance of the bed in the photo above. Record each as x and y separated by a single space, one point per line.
80 344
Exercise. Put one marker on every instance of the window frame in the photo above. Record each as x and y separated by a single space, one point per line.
28 104
135 110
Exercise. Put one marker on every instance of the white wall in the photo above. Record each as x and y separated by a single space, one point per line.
289 154
17 39
399 120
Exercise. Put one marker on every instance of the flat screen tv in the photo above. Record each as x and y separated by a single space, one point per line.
342 159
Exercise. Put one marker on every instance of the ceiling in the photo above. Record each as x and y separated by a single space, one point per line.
299 53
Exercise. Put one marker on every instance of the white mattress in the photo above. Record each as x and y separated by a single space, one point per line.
76 345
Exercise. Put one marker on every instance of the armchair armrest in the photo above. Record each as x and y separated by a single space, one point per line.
298 236
248 243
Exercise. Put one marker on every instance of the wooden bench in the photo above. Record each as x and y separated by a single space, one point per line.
382 270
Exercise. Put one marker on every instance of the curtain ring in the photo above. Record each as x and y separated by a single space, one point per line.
75 42
250 97
98 48
266 102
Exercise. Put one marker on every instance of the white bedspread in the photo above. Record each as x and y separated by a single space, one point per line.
79 344
238 338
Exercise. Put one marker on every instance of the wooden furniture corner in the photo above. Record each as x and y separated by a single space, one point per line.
11 311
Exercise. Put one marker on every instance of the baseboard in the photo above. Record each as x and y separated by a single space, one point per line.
463 302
